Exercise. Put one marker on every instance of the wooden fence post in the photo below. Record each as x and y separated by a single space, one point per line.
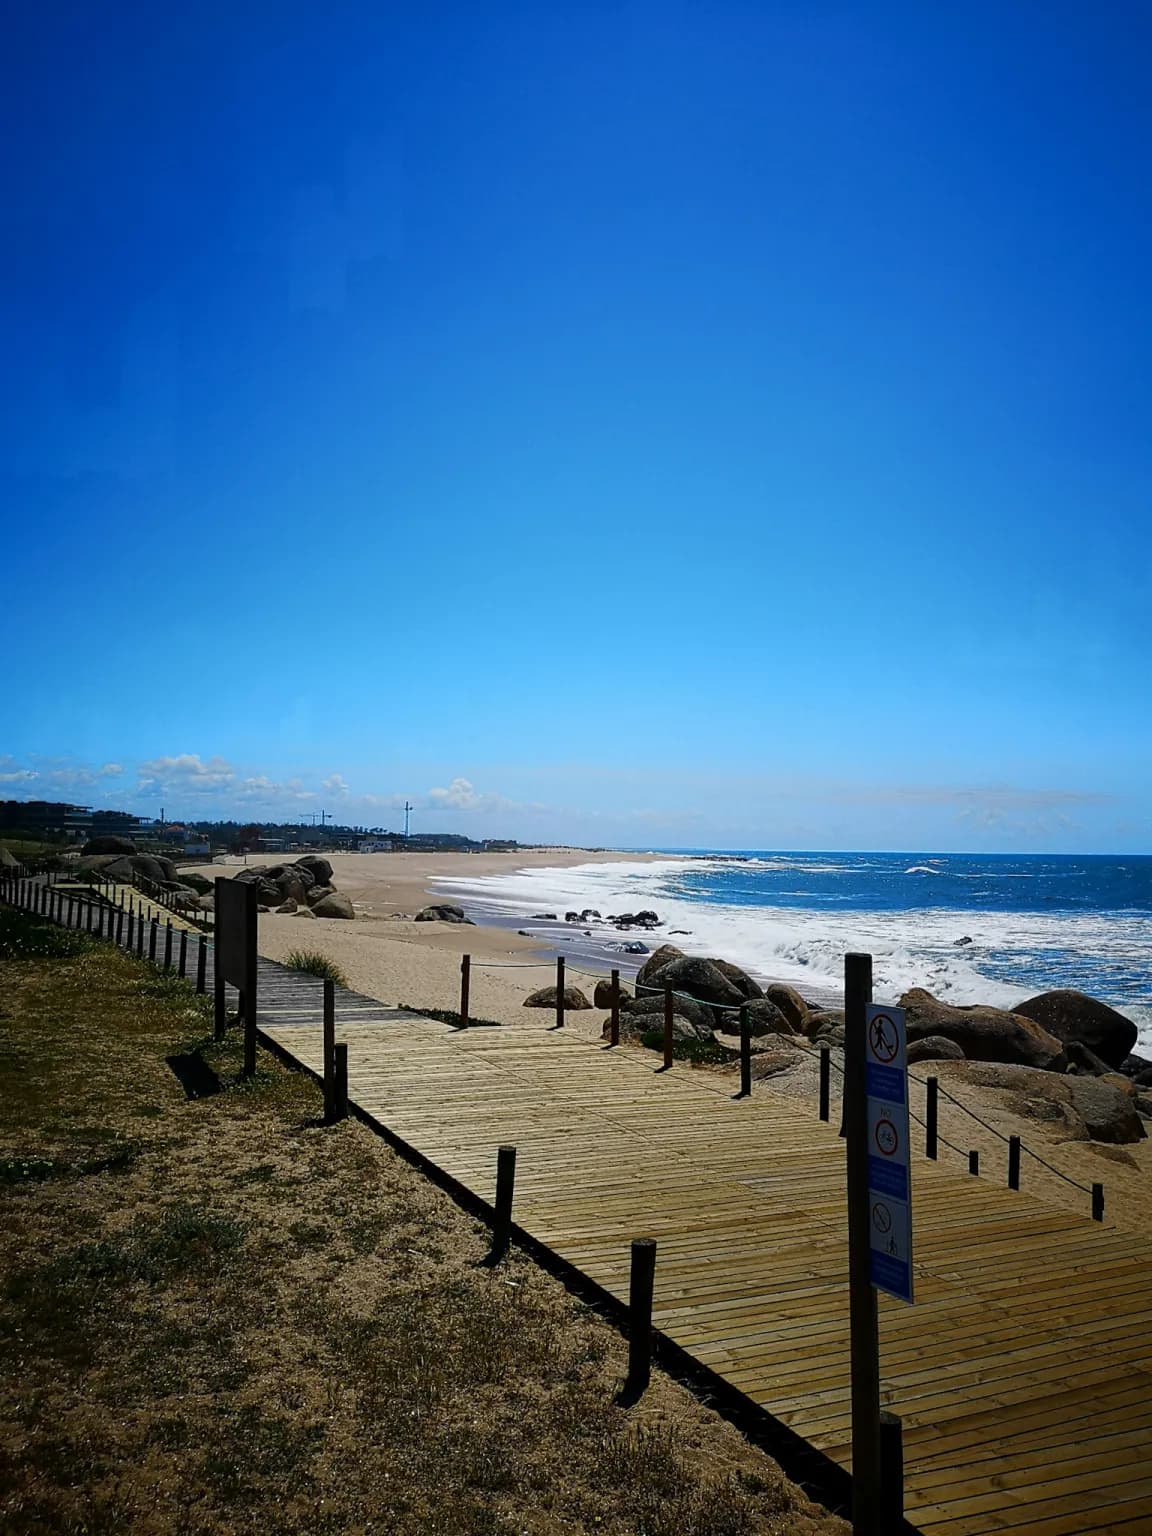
120 926
168 945
202 963
505 1187
669 1006
862 1309
248 1004
1013 1162
932 1119
153 930
745 1054
559 991
891 1470
974 1163
465 988
1097 1202
340 1056
614 1024
825 1082
328 1049
641 1285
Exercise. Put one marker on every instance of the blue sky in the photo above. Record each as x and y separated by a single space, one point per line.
646 423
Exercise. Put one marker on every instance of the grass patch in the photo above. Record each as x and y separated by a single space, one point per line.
313 963
705 1053
218 1316
27 937
450 1016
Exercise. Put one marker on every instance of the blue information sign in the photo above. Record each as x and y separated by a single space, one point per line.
889 1162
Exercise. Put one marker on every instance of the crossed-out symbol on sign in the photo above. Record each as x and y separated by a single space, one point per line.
883 1038
887 1137
881 1218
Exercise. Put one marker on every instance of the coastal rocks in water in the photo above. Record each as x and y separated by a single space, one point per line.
698 978
543 917
650 1008
789 1002
659 957
635 948
574 999
602 996
335 905
962 943
443 912
1090 1108
109 845
934 1048
1071 1015
764 1018
983 1034
645 919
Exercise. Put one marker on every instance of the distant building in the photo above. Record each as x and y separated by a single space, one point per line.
376 845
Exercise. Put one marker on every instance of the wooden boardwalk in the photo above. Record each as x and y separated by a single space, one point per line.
1023 1374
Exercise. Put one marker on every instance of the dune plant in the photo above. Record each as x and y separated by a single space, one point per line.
313 963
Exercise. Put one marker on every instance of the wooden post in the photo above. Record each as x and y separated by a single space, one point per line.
861 1296
248 1007
153 930
932 1119
559 991
505 1187
1013 1162
140 932
220 1009
974 1163
1097 1202
71 911
120 926
825 1083
168 945
614 1023
669 1007
88 915
641 1285
202 964
329 1051
465 988
745 1055
891 1469
340 1056
182 963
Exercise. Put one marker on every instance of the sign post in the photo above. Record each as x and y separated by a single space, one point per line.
879 1212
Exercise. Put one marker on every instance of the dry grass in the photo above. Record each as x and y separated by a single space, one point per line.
219 1316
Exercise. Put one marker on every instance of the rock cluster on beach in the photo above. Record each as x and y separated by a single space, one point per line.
1060 1057
304 886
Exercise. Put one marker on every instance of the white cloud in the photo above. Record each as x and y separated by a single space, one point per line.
336 784
19 776
186 773
459 794
110 770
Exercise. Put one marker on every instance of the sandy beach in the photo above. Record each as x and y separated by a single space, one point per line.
418 965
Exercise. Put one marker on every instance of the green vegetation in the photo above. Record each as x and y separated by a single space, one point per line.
450 1016
24 937
313 963
705 1053
219 1316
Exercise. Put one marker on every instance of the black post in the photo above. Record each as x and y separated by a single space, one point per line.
71 911
861 1296
745 1055
88 916
505 1187
974 1163
825 1083
248 1004
614 1024
559 991
168 945
153 930
182 964
891 1469
1013 1162
140 932
202 963
641 1285
669 1006
220 1009
340 1056
465 988
932 1119
120 926
329 1051
1097 1202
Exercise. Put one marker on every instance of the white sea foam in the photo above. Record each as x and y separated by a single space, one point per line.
807 946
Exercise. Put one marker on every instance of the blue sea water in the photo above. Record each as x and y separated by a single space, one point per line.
970 927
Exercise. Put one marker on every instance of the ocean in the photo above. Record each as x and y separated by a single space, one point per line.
970 927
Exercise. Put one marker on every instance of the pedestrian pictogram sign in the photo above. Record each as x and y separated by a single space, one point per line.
889 1172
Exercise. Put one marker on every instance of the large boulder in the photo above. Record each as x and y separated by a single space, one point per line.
764 1018
1071 1015
317 893
650 1009
659 957
983 1034
199 883
822 1021
934 1048
602 996
109 845
443 912
320 868
739 979
697 978
335 905
789 1002
1089 1108
574 999
267 891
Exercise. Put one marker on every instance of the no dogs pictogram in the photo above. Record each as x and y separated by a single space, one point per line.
884 1038
881 1218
